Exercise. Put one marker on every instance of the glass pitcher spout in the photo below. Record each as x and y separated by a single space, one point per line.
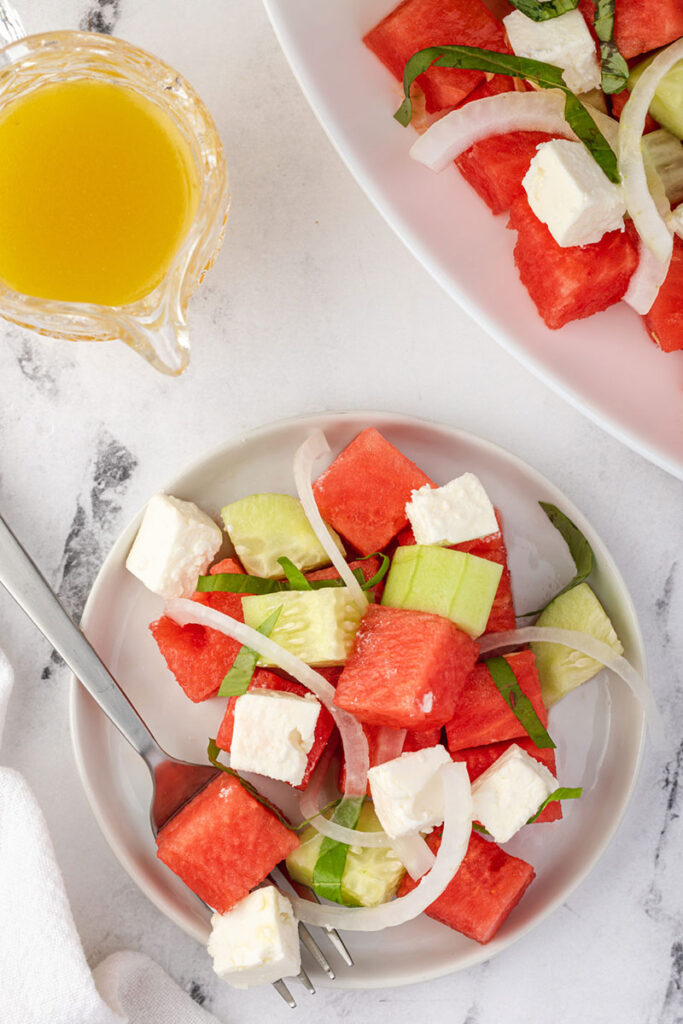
163 341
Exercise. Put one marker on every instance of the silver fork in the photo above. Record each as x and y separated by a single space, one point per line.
174 782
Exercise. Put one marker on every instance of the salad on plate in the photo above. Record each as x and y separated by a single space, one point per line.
568 116
365 636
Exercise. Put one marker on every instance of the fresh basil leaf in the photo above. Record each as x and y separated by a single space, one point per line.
237 583
518 702
547 76
307 821
213 753
379 575
480 828
542 10
614 69
241 672
295 577
329 867
563 793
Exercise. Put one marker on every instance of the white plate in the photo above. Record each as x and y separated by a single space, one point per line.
606 365
599 729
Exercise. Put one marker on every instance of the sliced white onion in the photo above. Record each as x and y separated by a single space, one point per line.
676 221
352 836
388 743
587 645
354 742
652 227
493 115
457 828
307 454
414 854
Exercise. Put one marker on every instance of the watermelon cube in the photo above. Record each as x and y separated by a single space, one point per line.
665 319
502 615
482 716
495 166
575 281
478 759
264 680
227 565
418 739
487 886
197 656
364 492
638 27
406 669
224 842
415 24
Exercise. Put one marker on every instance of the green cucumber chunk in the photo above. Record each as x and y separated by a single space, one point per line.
459 586
371 876
265 527
667 104
559 668
317 626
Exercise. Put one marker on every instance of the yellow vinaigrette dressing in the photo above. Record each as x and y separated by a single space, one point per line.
97 190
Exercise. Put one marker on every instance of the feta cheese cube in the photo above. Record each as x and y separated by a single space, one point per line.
273 734
257 942
569 192
510 792
174 545
460 510
407 791
564 42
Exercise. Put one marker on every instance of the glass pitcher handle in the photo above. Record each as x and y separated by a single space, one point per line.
11 28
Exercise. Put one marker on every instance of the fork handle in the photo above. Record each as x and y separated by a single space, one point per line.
23 580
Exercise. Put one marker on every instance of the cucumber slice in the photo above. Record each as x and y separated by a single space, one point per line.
316 625
372 874
559 668
264 527
667 105
429 578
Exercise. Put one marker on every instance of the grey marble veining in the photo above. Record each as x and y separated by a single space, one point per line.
314 304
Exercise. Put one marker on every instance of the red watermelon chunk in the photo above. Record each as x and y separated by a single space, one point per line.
418 739
364 492
223 843
265 680
639 27
665 319
478 759
502 615
487 886
198 656
415 24
482 715
575 281
227 565
494 167
406 669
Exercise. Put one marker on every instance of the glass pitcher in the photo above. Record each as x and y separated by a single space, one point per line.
155 326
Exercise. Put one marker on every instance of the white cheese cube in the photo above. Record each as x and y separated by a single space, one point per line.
174 545
460 510
564 42
257 942
569 192
510 792
273 733
407 792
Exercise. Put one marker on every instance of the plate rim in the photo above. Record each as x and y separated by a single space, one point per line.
552 379
79 697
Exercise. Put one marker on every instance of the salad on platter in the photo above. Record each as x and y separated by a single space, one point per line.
365 638
568 116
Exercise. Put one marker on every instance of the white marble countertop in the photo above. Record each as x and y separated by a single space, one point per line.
314 304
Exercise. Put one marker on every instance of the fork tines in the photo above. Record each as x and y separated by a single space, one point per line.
283 881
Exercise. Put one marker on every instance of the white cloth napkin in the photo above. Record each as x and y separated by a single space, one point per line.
44 976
